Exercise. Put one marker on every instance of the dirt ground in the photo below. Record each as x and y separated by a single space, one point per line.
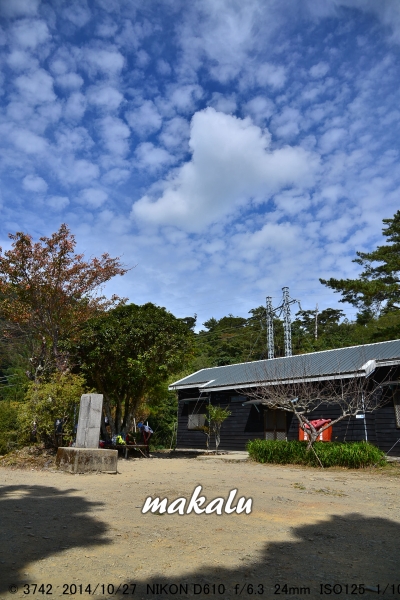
308 528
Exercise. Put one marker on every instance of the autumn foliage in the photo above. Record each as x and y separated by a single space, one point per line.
47 291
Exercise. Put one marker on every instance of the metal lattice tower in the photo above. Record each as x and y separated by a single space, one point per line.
270 327
287 322
284 309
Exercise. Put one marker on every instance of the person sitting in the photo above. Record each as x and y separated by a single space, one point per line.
130 439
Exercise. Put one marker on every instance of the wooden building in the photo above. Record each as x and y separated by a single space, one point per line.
227 387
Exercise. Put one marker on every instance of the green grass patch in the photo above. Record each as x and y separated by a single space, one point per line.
353 455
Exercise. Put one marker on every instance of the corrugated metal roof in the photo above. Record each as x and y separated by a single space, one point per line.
340 361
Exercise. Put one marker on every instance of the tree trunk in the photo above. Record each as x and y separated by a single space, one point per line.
118 417
107 409
217 439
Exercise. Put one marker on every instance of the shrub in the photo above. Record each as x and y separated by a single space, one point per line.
8 426
353 455
45 402
161 415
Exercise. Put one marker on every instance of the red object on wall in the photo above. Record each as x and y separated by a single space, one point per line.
324 436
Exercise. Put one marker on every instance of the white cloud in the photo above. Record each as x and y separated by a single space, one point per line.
71 81
142 59
145 119
272 75
57 202
224 103
262 215
19 8
33 183
36 87
20 111
73 139
387 11
151 158
75 106
319 70
78 172
184 98
18 60
108 61
163 67
77 12
115 134
64 60
292 202
283 237
222 35
30 33
331 139
93 197
132 33
105 96
28 142
287 123
116 176
107 28
231 166
175 133
260 109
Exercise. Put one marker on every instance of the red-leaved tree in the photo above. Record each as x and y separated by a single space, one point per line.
47 291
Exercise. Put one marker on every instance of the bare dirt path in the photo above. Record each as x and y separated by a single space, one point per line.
307 528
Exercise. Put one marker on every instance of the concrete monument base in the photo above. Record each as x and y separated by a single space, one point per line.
87 460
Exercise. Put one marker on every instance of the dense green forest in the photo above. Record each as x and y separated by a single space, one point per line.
236 339
56 334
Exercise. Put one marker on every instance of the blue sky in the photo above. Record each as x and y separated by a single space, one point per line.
225 148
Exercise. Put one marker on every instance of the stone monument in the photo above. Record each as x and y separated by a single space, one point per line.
86 456
89 421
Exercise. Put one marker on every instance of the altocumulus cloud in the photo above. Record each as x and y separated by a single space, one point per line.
232 165
252 144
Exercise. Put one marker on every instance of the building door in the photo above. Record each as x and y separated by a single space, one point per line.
275 424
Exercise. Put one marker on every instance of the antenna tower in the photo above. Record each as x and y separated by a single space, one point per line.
284 309
270 328
287 322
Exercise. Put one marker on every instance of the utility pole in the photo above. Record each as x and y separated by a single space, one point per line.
316 322
270 327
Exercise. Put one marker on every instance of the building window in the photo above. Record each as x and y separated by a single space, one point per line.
196 412
396 402
238 399
195 421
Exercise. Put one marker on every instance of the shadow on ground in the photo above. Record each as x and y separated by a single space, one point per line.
347 550
37 522
179 454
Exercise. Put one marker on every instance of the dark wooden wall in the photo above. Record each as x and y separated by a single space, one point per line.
244 424
247 423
